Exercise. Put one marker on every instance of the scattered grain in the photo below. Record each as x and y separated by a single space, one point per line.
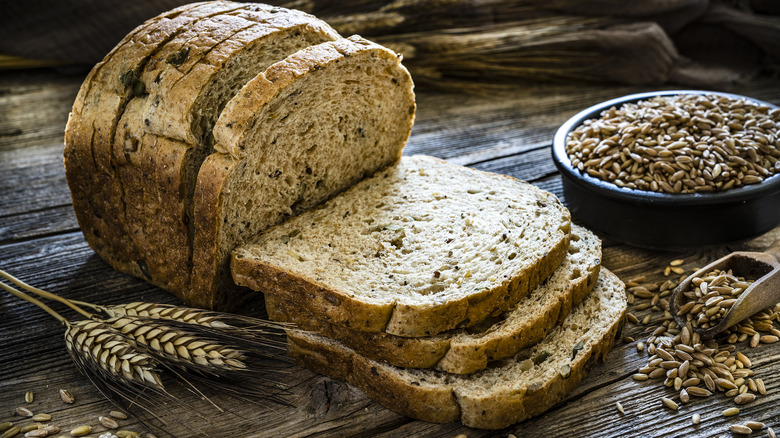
620 407
23 412
739 428
66 396
81 430
755 425
669 403
745 398
37 433
108 422
119 415
730 412
41 417
30 427
11 432
29 397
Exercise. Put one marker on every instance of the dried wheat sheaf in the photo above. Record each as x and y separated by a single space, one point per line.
133 352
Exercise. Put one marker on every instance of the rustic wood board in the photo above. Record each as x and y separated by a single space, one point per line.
510 134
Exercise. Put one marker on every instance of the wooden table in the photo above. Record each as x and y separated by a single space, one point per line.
509 132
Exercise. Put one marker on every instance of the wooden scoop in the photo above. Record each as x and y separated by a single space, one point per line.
763 267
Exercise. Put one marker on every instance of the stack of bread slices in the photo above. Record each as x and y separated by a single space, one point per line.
443 292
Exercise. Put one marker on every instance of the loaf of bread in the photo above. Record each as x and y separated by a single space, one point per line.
422 247
464 351
146 119
509 391
89 167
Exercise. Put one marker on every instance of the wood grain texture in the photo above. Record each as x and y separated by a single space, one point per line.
510 134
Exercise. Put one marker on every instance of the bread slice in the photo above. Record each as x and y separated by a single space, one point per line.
165 134
89 167
510 391
420 248
464 351
309 127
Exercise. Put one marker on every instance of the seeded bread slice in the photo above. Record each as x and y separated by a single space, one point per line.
420 248
309 127
89 167
466 351
166 132
511 391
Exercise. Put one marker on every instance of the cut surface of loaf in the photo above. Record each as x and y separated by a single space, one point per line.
464 351
309 127
510 391
419 248
165 134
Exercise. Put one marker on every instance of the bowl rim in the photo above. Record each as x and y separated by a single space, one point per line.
563 162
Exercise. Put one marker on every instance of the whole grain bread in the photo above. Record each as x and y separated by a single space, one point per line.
309 127
464 351
143 121
420 248
89 166
165 134
510 391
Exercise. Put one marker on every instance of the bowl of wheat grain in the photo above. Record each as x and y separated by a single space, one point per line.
673 169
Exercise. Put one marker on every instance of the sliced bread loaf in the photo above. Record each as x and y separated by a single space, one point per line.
510 391
165 133
420 248
464 351
89 134
309 127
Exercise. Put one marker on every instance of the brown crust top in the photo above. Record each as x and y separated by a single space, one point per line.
89 164
237 117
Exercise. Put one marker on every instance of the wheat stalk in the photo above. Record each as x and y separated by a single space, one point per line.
99 346
129 350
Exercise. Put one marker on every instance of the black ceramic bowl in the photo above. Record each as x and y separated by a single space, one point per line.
660 220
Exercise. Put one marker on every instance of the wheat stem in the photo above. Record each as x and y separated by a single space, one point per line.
19 294
44 294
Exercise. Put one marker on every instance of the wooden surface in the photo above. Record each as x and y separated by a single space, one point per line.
508 133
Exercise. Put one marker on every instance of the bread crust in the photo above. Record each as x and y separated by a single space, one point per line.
89 166
161 128
438 399
454 352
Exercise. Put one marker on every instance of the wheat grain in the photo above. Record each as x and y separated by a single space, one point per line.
81 430
96 344
118 415
741 429
179 344
66 396
108 422
678 144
